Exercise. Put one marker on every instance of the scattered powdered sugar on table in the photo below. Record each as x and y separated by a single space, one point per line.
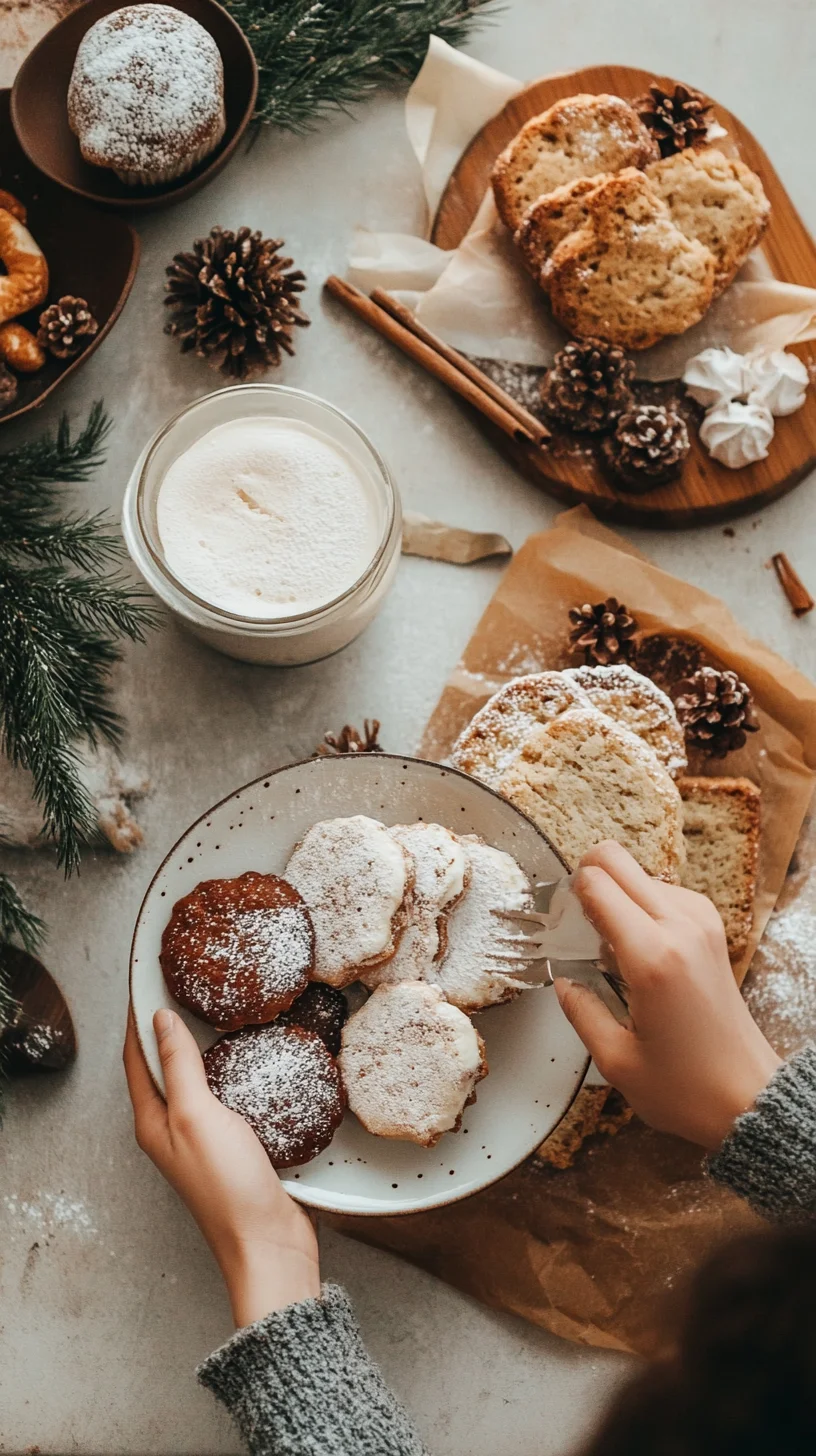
781 987
267 518
50 1213
147 85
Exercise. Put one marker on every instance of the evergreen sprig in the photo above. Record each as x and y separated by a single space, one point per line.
314 57
64 606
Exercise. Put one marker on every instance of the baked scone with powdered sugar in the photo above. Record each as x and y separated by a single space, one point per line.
442 877
410 1062
473 973
584 778
494 736
639 705
354 876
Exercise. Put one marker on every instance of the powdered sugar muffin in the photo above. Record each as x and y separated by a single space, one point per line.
146 96
410 1062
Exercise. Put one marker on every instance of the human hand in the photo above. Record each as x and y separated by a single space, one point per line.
691 1058
264 1242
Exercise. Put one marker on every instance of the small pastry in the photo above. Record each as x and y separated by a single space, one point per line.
13 205
146 96
321 1009
442 878
237 952
25 283
410 1062
737 433
285 1083
715 375
473 972
777 379
354 877
20 349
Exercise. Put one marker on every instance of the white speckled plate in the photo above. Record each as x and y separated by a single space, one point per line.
536 1061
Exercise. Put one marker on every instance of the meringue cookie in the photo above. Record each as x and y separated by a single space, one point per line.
737 434
715 375
776 379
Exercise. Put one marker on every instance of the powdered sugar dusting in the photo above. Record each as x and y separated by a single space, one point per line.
147 88
638 704
470 973
286 1085
496 734
441 869
781 987
50 1212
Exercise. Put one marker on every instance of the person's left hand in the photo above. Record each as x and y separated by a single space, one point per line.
264 1242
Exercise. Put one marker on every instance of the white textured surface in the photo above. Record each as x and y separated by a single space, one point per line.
108 1297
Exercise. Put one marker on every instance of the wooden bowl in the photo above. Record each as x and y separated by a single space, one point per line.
39 107
91 254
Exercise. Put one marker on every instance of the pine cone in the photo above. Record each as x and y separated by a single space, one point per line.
234 302
66 327
668 660
603 632
715 710
8 387
589 385
648 448
350 740
677 119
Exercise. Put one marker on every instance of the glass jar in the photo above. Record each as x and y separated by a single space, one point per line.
280 641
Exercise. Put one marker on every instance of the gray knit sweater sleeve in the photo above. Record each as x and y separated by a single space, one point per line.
769 1158
301 1383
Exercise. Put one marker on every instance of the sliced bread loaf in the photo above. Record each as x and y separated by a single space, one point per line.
639 705
579 136
495 736
629 275
583 778
716 200
551 219
721 830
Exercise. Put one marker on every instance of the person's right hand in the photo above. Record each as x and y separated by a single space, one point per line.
691 1058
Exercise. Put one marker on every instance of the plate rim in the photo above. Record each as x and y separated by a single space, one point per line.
298 1193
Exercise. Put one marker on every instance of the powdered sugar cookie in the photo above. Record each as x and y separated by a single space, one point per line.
410 1063
442 876
471 973
640 705
495 735
354 877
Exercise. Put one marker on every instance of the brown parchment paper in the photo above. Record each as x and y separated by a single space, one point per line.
593 1252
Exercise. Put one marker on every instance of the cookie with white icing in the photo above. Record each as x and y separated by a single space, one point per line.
354 876
639 705
442 875
410 1062
472 973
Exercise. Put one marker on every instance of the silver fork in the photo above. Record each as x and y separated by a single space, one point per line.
530 951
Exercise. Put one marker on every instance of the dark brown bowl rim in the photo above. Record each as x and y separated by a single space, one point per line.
404 758
157 198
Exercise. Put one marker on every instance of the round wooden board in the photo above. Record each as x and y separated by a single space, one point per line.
707 491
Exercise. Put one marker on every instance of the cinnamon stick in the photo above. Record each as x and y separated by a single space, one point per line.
437 364
404 316
792 585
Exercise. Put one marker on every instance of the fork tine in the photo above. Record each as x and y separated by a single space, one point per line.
522 917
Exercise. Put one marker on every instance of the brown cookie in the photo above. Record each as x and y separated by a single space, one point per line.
238 952
286 1084
321 1009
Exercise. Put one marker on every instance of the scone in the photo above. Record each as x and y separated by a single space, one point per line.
442 876
473 972
639 705
495 735
551 219
716 200
721 828
410 1062
354 877
629 276
579 136
583 779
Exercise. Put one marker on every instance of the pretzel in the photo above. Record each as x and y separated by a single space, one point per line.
26 283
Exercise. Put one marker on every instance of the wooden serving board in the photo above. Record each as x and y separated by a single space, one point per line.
707 491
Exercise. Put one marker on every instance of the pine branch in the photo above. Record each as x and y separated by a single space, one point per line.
64 608
315 57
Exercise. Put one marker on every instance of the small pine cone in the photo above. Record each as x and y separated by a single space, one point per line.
603 632
677 119
234 302
589 385
8 387
66 326
715 710
350 740
668 660
648 448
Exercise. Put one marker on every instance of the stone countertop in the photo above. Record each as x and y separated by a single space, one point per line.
108 1296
